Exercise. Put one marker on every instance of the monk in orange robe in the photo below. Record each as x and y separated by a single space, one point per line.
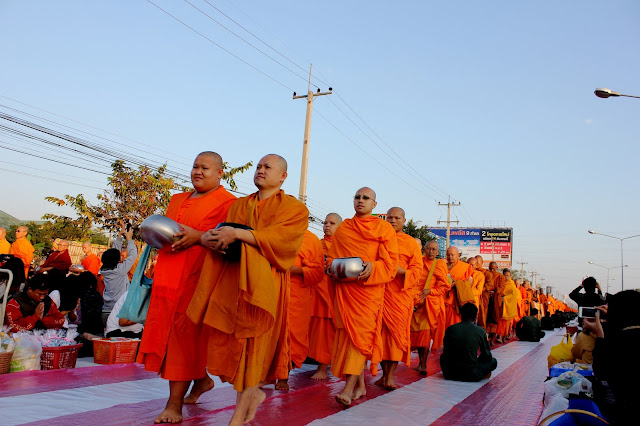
306 272
496 314
523 307
5 245
244 300
428 322
398 302
90 262
510 299
322 331
551 303
171 345
477 287
358 303
462 276
22 248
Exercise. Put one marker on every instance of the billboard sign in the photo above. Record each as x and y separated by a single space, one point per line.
493 244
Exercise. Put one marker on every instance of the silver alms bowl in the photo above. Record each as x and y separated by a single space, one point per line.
78 267
157 231
346 268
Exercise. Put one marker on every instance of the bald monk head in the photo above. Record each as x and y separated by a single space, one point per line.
86 247
330 224
21 232
472 262
206 172
364 201
507 273
518 282
526 284
453 256
431 250
418 241
3 232
493 267
395 216
63 246
270 174
480 261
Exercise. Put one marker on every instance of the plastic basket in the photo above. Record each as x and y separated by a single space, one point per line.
106 351
57 357
5 361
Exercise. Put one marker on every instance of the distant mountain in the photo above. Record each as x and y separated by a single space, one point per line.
7 220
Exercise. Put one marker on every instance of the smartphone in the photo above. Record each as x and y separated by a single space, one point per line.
585 312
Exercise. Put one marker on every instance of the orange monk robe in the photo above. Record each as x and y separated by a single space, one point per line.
551 304
92 264
429 318
485 297
23 250
311 259
542 302
245 303
523 307
321 330
5 246
511 299
398 302
478 286
168 346
461 271
358 304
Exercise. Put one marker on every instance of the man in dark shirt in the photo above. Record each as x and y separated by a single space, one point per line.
459 359
529 329
547 322
589 298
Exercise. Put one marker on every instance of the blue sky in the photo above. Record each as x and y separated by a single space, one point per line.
490 102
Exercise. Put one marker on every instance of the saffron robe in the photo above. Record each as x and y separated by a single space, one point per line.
22 249
398 302
245 303
170 345
311 259
485 297
509 307
358 304
321 330
92 264
459 272
477 287
5 246
428 322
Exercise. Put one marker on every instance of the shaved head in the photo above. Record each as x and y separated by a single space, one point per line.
418 241
330 224
364 201
334 216
473 262
3 231
371 191
395 216
480 260
453 256
213 155
493 266
431 249
279 159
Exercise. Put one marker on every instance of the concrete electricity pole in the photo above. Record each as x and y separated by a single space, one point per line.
449 221
302 196
533 277
522 268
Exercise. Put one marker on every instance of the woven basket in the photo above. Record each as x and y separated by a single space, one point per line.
5 361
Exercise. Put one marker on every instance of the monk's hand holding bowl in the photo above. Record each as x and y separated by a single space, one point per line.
187 238
424 293
366 272
224 235
401 271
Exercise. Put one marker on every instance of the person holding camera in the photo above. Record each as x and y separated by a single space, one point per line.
114 272
589 298
617 345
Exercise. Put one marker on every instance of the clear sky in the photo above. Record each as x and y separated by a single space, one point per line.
490 102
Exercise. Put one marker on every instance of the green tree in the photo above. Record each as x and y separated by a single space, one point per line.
132 196
412 228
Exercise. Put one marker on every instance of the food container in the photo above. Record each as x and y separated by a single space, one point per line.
234 251
347 268
158 231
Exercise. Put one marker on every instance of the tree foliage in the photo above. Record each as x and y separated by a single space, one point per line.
412 228
132 196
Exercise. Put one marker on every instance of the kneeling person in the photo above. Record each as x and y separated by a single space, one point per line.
33 308
529 329
460 360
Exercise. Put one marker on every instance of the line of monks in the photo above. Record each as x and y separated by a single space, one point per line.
251 299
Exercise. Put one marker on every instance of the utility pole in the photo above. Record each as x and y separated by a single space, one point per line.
533 277
522 268
449 221
302 196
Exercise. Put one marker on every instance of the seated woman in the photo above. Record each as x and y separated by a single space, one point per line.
33 308
122 327
617 344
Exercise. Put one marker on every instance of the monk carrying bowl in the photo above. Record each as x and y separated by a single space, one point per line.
158 231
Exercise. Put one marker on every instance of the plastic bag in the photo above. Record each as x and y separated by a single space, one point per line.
561 352
553 405
26 354
566 384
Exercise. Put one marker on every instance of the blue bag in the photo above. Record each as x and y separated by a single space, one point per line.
137 302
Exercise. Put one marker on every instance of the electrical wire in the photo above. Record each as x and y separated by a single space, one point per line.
47 178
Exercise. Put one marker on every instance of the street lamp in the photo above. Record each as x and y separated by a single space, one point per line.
621 252
608 269
602 92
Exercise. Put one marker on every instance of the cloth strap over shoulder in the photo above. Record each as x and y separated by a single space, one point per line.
137 303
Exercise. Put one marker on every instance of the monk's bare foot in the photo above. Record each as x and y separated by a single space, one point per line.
359 392
258 397
172 413
321 373
343 399
390 384
380 382
282 384
262 384
199 387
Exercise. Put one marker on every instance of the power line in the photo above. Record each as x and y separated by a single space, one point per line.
51 171
48 178
222 48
